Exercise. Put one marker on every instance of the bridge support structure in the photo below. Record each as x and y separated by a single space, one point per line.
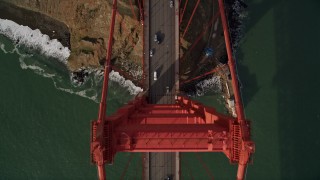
186 126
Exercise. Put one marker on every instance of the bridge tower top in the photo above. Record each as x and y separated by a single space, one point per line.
183 126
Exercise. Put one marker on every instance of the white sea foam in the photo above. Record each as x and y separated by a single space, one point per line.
137 73
23 35
82 93
2 48
35 68
90 92
55 78
212 84
133 89
35 39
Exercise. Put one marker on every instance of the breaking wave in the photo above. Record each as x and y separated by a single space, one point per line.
133 89
26 40
208 85
90 89
60 80
34 39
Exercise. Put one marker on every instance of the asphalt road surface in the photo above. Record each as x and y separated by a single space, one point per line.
162 90
162 19
161 166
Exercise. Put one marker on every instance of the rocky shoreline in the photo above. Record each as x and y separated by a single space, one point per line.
82 26
87 42
35 20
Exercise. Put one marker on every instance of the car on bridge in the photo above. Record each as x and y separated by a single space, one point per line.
155 76
156 39
151 52
171 4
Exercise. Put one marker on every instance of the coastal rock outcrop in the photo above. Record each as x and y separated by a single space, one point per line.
84 28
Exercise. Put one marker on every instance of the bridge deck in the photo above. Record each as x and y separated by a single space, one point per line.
162 20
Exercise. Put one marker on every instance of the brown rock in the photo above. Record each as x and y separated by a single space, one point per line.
88 22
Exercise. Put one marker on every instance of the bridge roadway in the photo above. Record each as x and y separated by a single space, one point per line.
160 19
163 61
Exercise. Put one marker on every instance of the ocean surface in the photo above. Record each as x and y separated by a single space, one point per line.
45 119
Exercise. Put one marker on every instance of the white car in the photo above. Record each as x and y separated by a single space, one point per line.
171 3
156 39
151 52
155 75
141 19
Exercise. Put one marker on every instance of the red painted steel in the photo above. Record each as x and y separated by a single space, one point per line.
101 172
140 9
198 77
231 63
97 151
184 8
242 146
201 35
143 48
103 106
194 10
201 130
132 10
186 126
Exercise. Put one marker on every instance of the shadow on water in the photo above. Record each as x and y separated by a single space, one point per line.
257 10
248 81
285 110
298 86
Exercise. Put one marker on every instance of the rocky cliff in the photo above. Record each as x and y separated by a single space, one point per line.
87 23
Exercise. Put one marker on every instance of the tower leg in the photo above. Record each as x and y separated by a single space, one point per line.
241 171
101 172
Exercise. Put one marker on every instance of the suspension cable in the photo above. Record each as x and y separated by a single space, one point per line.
205 74
185 5
194 10
188 169
131 6
202 34
104 93
127 166
204 166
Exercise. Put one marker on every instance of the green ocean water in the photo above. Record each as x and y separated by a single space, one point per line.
279 69
278 64
44 131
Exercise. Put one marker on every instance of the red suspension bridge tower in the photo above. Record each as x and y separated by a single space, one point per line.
184 126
